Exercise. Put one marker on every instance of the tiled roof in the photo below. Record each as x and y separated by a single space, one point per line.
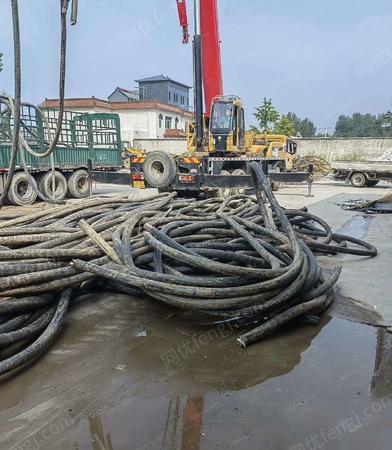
93 102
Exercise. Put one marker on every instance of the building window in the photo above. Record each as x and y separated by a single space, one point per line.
168 123
169 96
176 123
175 98
160 118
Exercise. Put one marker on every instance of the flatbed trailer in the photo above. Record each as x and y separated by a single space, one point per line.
205 173
362 173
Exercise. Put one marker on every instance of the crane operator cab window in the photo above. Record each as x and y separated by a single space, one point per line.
227 119
221 118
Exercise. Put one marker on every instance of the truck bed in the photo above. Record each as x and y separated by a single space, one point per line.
363 166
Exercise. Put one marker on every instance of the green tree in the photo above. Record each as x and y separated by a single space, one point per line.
285 126
303 127
267 116
359 125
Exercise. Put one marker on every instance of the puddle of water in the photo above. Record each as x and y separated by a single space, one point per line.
187 387
357 227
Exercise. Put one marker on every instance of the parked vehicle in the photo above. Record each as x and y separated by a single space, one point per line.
219 150
362 173
89 144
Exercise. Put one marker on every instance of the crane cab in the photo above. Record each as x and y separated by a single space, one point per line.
226 126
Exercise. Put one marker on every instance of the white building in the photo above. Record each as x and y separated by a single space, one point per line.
139 119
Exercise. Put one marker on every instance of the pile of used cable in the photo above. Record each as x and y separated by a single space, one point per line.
241 258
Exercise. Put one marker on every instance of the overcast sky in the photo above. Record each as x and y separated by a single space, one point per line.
318 59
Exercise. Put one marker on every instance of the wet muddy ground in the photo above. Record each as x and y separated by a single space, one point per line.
128 374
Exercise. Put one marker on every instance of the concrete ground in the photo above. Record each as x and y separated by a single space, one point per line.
130 374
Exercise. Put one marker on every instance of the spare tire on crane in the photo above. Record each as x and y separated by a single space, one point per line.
159 169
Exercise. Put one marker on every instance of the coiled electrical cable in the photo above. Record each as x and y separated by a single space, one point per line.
241 259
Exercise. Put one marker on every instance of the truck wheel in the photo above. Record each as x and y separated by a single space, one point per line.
358 180
61 187
372 183
159 169
21 192
79 184
226 192
239 172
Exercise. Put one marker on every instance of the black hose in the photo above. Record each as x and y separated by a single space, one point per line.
18 93
232 259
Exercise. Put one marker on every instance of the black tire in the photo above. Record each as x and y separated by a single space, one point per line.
226 192
371 183
79 184
61 186
159 169
21 192
212 193
239 172
358 180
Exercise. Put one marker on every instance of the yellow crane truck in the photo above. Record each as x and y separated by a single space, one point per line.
219 150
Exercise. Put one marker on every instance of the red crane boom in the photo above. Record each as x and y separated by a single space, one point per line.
211 49
211 52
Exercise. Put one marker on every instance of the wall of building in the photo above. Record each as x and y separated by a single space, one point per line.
353 149
180 92
157 90
173 146
160 130
140 123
